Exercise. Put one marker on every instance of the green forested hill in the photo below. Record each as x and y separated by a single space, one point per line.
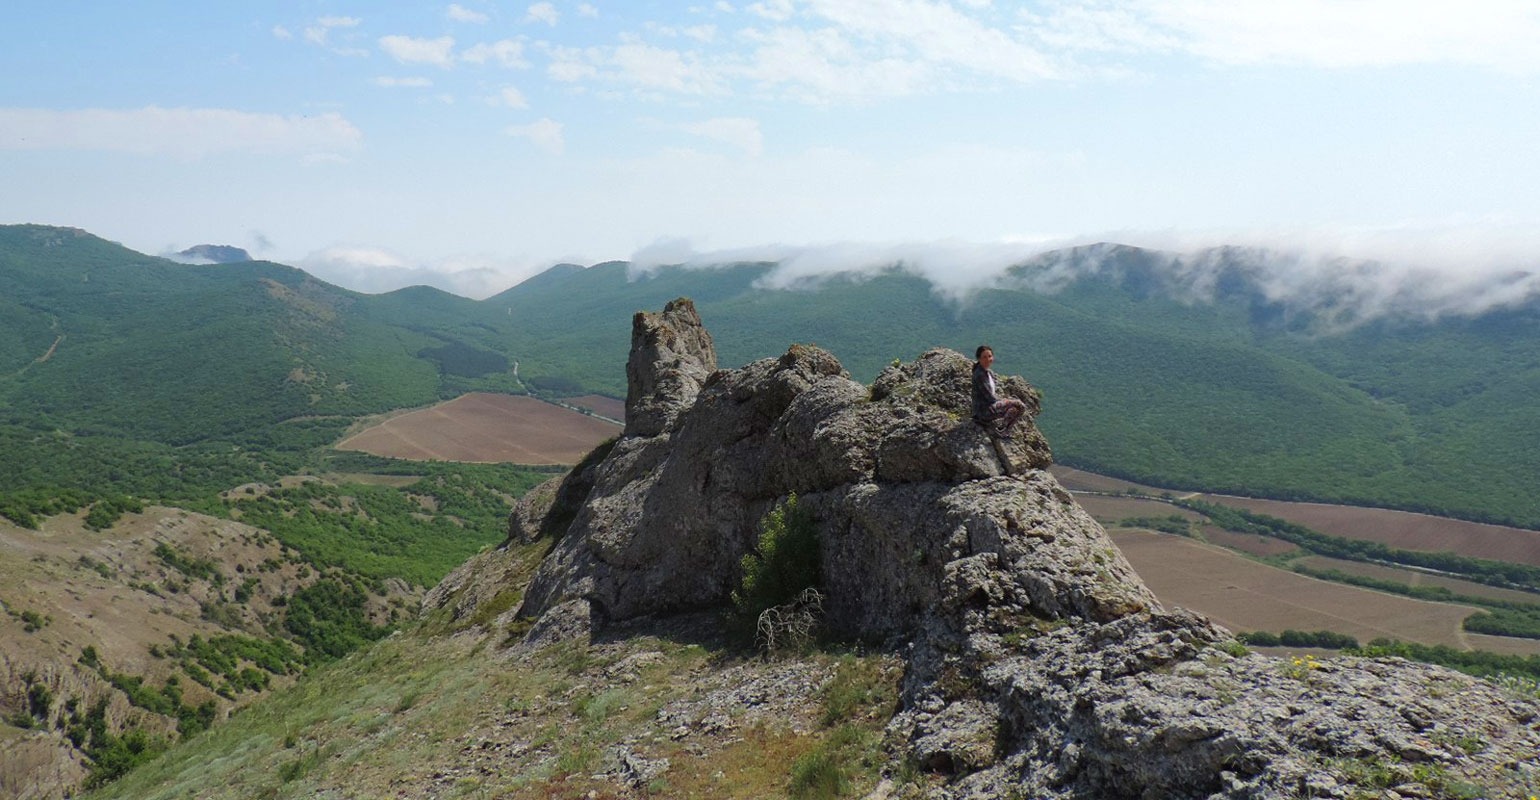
1232 392
104 340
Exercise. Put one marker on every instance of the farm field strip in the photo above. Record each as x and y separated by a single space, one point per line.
1244 595
1412 577
601 405
1401 529
1111 509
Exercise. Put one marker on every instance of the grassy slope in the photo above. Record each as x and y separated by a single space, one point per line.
431 712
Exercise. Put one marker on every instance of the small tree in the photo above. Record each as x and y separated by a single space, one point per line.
785 562
778 599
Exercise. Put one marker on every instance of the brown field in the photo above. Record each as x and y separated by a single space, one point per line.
1412 577
1077 480
1110 509
1401 529
1244 595
1250 543
601 405
486 428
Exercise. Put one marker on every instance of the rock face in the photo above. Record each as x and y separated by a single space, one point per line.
1039 665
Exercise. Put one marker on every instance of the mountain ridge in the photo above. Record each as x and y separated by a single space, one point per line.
1235 394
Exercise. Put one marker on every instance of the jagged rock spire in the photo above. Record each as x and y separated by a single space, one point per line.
671 357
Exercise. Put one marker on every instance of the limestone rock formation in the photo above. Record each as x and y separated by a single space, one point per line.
1039 664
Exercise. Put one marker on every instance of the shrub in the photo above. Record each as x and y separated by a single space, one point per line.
785 562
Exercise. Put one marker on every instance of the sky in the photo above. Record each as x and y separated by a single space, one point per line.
469 145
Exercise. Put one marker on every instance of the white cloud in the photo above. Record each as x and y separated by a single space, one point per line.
321 30
371 269
724 7
511 97
409 50
403 83
460 13
587 10
280 32
658 68
778 10
740 132
545 134
507 52
183 132
542 12
1497 34
570 64
701 33
822 65
939 35
639 65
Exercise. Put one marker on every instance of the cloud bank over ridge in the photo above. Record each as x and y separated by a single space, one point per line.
1344 277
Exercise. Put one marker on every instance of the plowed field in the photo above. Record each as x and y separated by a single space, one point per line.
486 428
1402 529
1244 595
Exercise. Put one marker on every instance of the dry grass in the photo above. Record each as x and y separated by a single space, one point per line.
486 428
108 590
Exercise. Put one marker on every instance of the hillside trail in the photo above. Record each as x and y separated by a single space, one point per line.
42 358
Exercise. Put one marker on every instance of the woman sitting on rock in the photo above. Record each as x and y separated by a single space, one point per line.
989 409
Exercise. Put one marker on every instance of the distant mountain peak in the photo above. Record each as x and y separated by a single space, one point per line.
213 254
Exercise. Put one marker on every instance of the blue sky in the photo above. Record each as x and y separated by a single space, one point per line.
471 144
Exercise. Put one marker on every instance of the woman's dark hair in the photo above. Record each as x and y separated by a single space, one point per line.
979 353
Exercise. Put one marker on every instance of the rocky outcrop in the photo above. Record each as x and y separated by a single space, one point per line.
1039 665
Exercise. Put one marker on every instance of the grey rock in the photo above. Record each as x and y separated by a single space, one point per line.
671 356
1039 664
633 769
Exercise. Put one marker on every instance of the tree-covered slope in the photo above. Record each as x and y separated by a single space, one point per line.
1228 391
1222 388
104 340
